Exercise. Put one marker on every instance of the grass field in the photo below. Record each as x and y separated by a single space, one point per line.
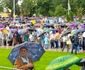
42 63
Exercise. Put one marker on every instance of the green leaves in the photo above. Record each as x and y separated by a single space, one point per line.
1 8
60 11
45 7
80 13
28 6
8 4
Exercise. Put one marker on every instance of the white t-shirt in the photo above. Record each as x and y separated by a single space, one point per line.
31 37
83 35
64 38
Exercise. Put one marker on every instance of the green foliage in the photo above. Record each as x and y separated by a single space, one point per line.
9 4
80 13
1 8
28 6
69 16
60 11
45 7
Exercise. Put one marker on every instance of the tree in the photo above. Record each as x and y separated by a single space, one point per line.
69 16
28 6
80 13
60 11
9 5
43 7
1 8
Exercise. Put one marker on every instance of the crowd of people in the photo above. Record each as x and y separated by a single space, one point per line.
52 33
47 31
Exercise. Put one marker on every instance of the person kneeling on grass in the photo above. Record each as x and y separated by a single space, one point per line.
23 62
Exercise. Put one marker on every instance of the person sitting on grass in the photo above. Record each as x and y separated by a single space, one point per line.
23 62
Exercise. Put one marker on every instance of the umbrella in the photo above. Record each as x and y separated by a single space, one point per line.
65 33
82 25
79 31
31 29
1 25
4 30
48 25
63 62
41 34
13 30
54 30
76 22
28 23
72 25
22 31
35 51
82 62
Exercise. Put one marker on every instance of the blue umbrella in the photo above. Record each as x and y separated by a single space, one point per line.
13 30
79 31
48 25
35 51
22 31
54 30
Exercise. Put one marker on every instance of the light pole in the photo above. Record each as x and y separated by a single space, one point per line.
14 10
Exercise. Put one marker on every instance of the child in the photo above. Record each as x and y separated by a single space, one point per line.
46 42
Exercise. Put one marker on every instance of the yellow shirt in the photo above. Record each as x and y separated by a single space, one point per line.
51 36
33 22
57 36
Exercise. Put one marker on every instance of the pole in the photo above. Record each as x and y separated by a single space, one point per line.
69 8
14 10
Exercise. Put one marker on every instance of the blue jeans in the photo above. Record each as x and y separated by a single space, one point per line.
74 47
56 42
46 46
52 43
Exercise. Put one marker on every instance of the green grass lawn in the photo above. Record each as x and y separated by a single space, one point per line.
42 63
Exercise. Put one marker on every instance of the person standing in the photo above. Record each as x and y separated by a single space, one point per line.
75 42
52 39
31 37
83 46
64 42
46 42
56 39
26 37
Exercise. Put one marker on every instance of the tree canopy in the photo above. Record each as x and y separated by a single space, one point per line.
45 7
